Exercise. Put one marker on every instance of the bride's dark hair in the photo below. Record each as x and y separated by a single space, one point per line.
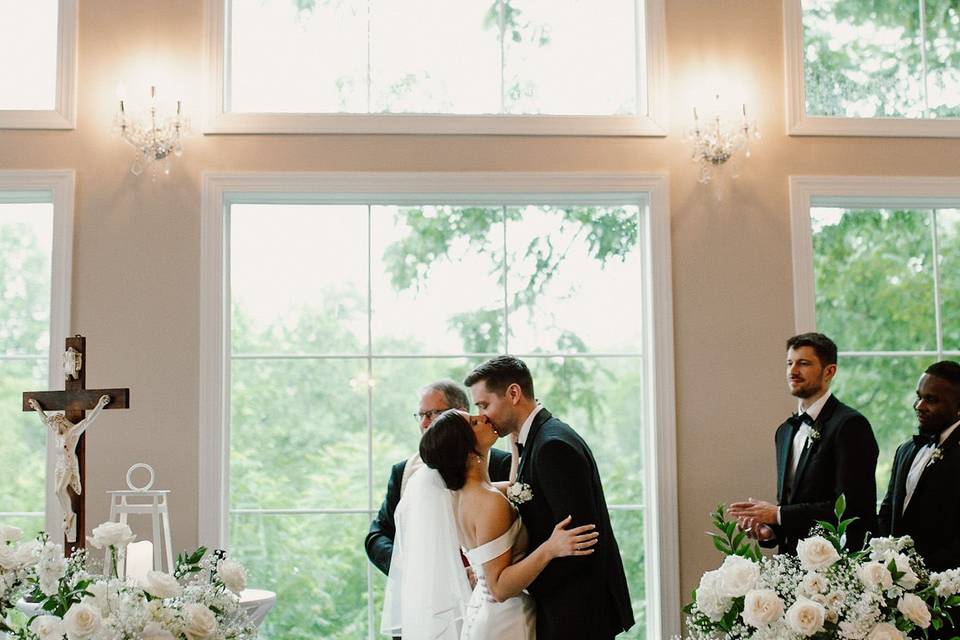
446 445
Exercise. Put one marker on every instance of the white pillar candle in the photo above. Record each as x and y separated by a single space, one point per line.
139 560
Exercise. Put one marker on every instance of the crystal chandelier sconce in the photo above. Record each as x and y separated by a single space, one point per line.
716 142
154 137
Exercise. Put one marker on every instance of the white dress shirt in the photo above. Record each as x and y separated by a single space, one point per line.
525 427
920 462
802 437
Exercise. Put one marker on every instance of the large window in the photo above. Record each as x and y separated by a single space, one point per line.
472 66
888 67
33 274
340 311
886 279
38 90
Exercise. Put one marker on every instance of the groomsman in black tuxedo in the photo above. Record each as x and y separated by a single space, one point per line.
923 497
435 398
824 450
578 597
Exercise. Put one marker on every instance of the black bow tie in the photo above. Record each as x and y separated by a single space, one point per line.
924 439
803 418
519 448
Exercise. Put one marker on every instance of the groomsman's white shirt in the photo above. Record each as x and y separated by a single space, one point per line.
525 427
802 435
920 462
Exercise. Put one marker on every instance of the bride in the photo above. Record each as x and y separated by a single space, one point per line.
450 504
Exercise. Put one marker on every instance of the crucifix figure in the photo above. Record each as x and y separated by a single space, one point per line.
68 428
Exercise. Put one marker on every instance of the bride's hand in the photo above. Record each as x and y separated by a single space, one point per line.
571 542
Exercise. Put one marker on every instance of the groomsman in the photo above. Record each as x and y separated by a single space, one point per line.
923 497
824 450
435 398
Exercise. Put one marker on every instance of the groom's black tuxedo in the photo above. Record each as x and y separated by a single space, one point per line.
379 541
577 597
932 517
843 459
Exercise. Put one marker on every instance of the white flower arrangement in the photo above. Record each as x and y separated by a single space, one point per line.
824 592
198 602
519 492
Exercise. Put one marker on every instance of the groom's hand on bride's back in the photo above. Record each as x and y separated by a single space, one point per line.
571 542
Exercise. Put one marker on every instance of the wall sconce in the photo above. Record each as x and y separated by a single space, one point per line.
154 137
717 142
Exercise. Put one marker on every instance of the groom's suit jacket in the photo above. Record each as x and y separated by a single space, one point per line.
383 529
577 597
843 459
932 517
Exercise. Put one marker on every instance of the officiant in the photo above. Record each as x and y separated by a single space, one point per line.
824 450
435 398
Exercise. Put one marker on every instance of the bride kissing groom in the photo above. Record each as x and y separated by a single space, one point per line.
547 568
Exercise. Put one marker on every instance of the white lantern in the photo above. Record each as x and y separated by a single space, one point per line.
143 500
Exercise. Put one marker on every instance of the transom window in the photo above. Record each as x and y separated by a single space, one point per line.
489 61
883 64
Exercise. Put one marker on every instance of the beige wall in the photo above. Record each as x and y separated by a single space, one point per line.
137 242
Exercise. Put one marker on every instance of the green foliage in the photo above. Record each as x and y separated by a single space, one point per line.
729 541
188 563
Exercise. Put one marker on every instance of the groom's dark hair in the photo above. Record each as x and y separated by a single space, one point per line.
501 372
824 347
446 445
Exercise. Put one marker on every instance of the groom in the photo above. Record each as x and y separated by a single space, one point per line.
577 597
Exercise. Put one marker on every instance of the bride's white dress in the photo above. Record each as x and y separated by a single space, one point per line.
487 619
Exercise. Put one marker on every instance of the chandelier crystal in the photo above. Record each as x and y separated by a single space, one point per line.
154 137
715 142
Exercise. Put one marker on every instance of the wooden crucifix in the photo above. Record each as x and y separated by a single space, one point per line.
68 431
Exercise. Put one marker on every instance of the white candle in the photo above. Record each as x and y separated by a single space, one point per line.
139 560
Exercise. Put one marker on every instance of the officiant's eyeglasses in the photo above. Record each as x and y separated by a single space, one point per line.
431 414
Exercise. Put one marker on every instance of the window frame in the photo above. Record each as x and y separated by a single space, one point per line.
653 123
64 113
56 187
220 190
801 124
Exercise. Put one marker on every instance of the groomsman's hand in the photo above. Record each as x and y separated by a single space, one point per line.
758 510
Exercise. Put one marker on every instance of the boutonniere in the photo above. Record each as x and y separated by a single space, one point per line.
814 434
519 492
936 456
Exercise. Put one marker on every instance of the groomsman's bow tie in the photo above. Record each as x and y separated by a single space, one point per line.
519 448
803 418
924 439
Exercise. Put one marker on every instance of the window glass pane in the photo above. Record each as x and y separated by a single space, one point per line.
874 278
570 57
882 389
433 57
575 279
298 278
28 34
948 223
943 58
628 528
860 61
26 240
317 567
288 59
292 422
442 266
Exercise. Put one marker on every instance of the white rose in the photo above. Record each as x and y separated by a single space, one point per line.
154 631
813 583
761 607
915 610
161 585
233 575
738 575
885 631
710 602
947 583
875 576
909 579
9 533
28 553
816 553
114 534
8 557
806 616
47 627
81 621
198 622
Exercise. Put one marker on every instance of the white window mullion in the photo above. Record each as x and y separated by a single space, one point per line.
923 57
937 294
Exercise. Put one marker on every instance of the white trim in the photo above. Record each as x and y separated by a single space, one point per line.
64 114
650 123
660 490
801 124
56 187
851 191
